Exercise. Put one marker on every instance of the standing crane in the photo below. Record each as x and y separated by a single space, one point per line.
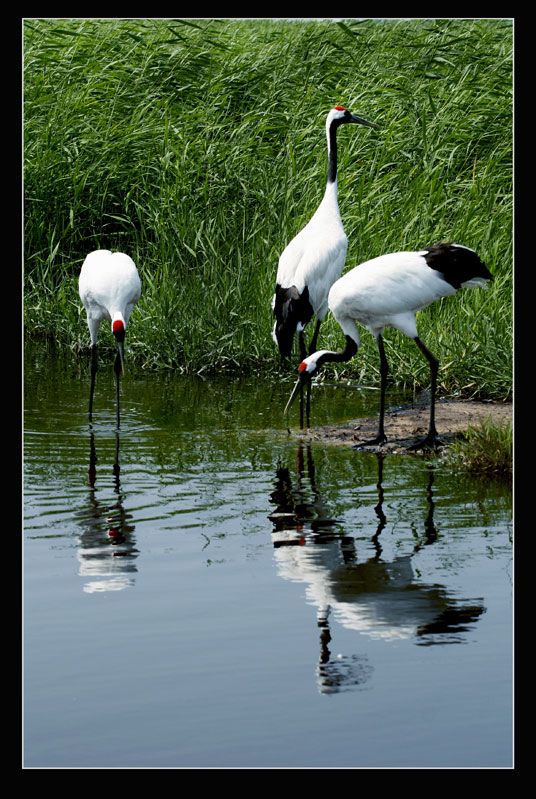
314 259
109 287
388 291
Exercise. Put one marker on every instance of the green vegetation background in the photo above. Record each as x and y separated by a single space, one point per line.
198 147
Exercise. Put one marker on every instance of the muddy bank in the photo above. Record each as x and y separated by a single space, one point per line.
406 425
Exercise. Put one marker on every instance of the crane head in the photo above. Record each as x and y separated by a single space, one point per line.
306 370
118 329
340 115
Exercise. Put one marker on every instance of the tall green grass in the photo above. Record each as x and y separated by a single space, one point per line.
198 147
486 449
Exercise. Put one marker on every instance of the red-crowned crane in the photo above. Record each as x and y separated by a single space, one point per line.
109 287
314 259
388 291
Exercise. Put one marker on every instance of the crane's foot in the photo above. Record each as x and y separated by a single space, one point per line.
431 441
380 439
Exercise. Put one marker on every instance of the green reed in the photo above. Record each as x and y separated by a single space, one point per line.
198 147
485 449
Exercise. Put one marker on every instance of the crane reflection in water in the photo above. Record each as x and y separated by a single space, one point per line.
107 549
375 596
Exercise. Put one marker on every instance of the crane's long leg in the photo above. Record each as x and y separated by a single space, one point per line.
432 440
303 355
312 345
117 370
308 405
384 369
312 349
93 374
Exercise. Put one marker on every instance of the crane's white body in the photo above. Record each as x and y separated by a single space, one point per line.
316 256
109 286
388 291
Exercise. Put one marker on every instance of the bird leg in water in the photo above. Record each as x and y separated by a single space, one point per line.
432 440
384 369
93 374
303 355
307 404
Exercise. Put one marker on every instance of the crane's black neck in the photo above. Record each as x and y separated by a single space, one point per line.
339 357
332 150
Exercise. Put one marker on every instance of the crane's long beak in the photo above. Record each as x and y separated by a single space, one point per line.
121 350
300 382
361 121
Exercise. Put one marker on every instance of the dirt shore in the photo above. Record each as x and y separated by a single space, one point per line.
406 425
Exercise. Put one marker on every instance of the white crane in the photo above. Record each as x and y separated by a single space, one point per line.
109 287
388 291
314 259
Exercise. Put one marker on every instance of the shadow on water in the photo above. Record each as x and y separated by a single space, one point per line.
157 619
378 597
107 551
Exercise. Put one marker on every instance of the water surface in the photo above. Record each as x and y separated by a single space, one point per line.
201 590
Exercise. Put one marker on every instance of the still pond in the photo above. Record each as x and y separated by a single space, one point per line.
203 591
